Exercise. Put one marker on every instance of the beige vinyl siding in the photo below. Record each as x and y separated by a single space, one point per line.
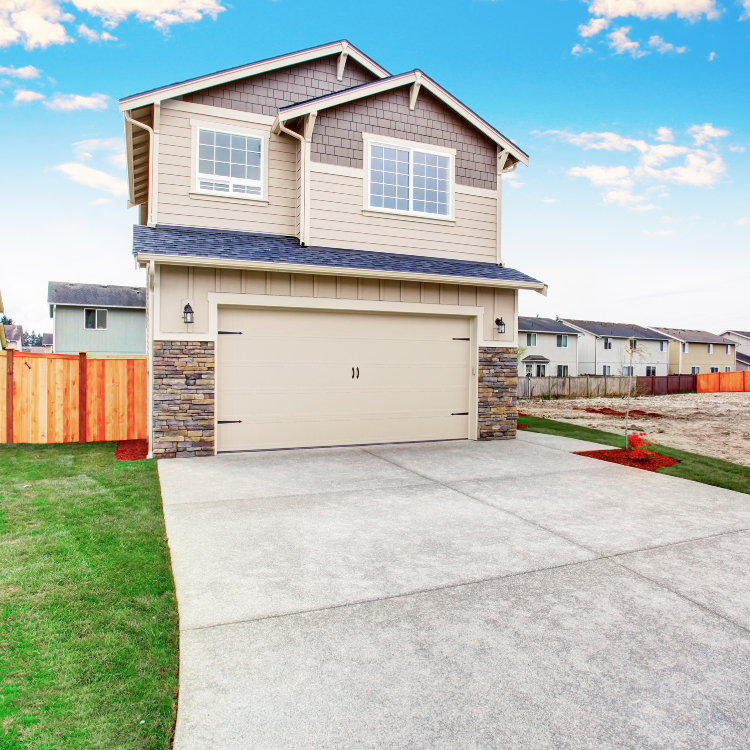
177 207
337 219
178 284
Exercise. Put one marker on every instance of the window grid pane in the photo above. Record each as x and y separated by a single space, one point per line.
101 319
235 157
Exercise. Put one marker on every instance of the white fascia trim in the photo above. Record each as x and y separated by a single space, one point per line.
377 87
253 69
253 265
218 112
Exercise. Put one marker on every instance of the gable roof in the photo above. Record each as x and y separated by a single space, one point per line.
417 77
693 336
746 334
544 325
744 358
13 332
266 251
617 330
174 90
96 295
47 339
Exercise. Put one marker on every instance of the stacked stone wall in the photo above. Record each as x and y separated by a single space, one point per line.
183 399
498 393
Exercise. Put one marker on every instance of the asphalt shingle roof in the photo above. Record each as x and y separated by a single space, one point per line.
98 295
694 337
617 330
13 332
544 325
742 333
744 358
213 243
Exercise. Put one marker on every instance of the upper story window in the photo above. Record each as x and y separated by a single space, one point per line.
685 347
607 343
95 319
728 349
410 180
230 164
562 341
662 346
633 344
530 339
710 348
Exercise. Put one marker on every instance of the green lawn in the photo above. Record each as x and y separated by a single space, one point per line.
697 468
88 628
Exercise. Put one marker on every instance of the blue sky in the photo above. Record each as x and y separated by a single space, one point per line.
635 114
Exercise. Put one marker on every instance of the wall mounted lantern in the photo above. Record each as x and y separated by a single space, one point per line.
187 313
500 325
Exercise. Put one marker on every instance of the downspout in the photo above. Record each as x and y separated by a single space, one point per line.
150 358
280 127
151 187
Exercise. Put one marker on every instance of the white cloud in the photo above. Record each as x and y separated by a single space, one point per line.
645 207
100 144
93 178
665 135
579 50
593 27
622 197
41 23
701 169
621 43
101 202
659 233
690 9
662 47
550 200
737 149
741 222
21 96
712 57
92 35
72 102
704 133
27 72
746 14
667 219
619 176
512 179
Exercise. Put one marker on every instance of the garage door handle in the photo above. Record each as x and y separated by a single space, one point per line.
229 421
352 373
358 373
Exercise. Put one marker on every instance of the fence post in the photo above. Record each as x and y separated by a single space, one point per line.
9 397
81 397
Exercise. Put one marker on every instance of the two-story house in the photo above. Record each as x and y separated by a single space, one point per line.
741 340
693 352
615 348
322 240
549 347
97 318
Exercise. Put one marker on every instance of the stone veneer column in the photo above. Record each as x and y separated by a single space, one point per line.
498 393
183 399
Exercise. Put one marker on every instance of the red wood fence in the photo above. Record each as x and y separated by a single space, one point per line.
42 404
661 385
727 382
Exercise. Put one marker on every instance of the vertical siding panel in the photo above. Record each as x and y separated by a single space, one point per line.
73 400
53 402
42 379
130 430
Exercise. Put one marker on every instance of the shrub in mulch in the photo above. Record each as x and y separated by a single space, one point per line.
624 457
131 450
523 426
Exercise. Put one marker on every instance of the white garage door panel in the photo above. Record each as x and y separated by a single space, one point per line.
288 377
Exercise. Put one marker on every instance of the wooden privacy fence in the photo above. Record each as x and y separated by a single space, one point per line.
727 382
593 386
41 397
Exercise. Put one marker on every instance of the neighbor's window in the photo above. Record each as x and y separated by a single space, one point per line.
714 369
662 346
562 371
530 339
727 369
410 180
696 371
685 348
562 341
605 370
650 370
728 349
528 370
95 319
710 348
229 164
541 371
633 344
627 370
607 343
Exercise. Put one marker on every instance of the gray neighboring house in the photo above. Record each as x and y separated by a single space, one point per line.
742 348
13 337
551 347
97 318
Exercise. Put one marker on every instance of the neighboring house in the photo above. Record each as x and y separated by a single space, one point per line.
48 342
97 319
322 242
551 347
604 349
741 340
13 337
694 352
743 361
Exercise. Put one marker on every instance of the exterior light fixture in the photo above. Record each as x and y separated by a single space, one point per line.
187 313
500 325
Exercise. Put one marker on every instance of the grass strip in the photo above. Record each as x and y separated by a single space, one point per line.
692 466
88 615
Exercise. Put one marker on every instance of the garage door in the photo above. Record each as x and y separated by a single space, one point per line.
302 378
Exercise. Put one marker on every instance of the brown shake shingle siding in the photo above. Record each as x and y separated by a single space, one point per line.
337 136
264 94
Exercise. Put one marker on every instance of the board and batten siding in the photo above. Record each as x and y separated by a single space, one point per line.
125 334
338 219
177 284
277 215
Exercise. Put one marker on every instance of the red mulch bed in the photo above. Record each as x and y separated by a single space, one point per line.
523 427
625 458
607 411
131 450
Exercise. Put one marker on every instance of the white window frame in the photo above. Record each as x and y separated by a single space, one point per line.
96 310
632 343
628 370
714 369
607 343
662 346
562 341
685 347
531 341
651 367
695 371
541 370
727 369
606 370
710 348
371 139
195 178
728 349
564 369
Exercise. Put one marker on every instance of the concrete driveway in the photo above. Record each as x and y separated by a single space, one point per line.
457 595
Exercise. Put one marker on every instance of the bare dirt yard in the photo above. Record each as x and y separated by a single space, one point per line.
711 424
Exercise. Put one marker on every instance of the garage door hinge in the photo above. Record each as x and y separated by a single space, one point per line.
231 333
229 421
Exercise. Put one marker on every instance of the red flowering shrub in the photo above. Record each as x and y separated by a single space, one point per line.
638 445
